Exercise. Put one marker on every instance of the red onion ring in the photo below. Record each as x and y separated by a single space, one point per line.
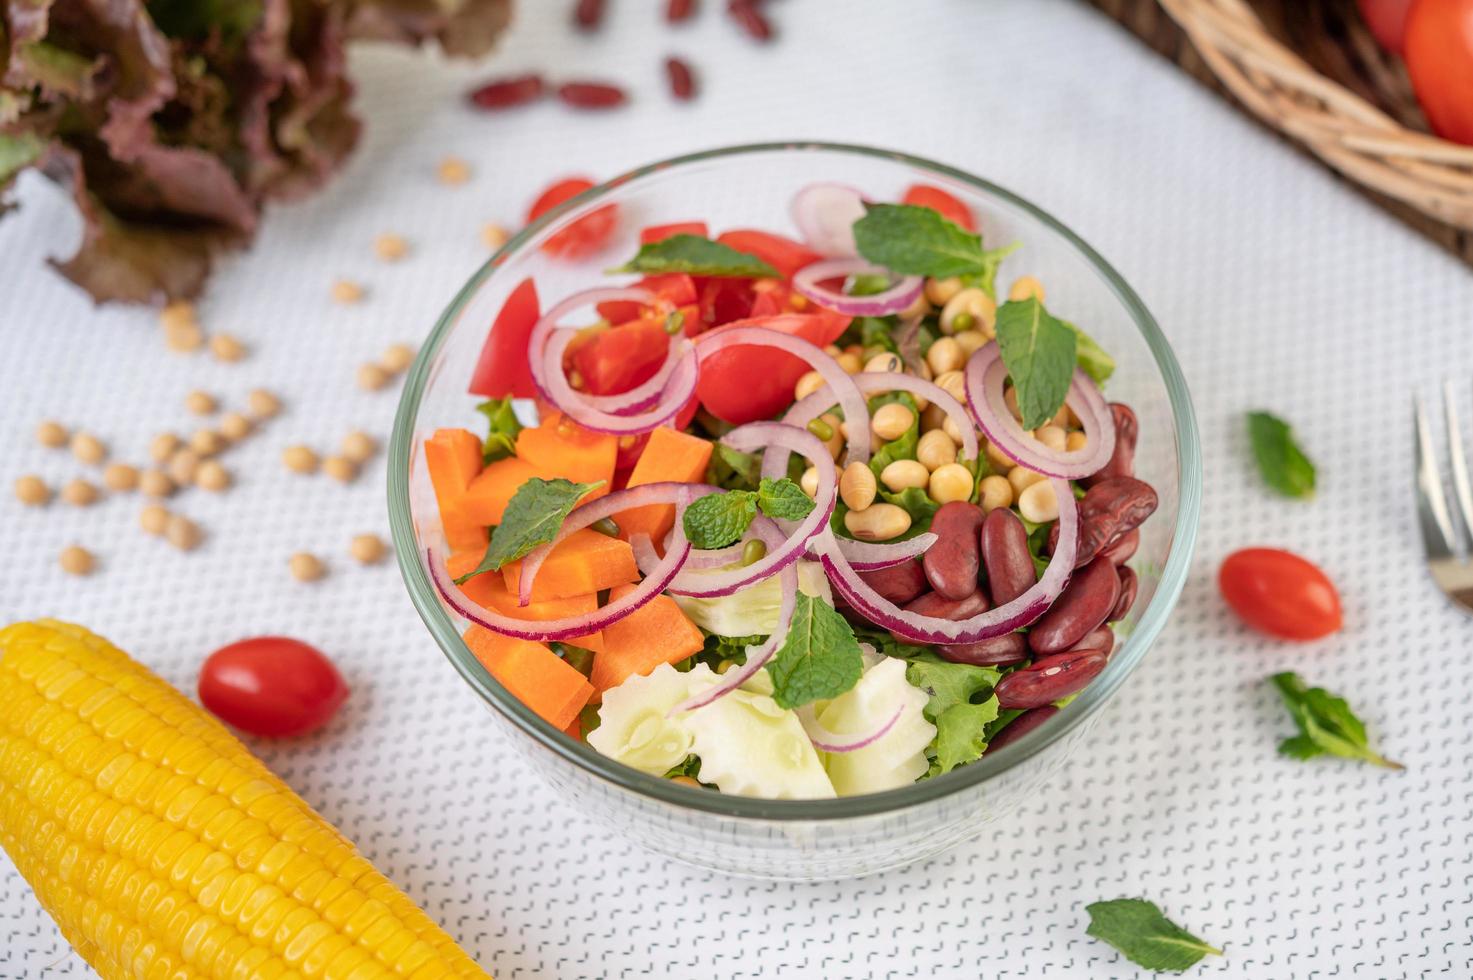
810 278
994 622
825 214
748 438
847 394
985 374
829 741
870 556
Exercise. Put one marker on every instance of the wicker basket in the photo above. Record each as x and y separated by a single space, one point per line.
1310 69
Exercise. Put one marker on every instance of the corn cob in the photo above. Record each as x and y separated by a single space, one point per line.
163 848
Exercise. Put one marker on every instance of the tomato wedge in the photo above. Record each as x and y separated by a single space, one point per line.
783 254
658 233
503 370
944 204
745 384
586 235
676 287
617 359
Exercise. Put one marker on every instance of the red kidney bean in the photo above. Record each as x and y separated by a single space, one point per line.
1122 460
936 605
587 14
899 583
1130 584
952 563
682 82
1004 544
1109 509
505 93
1087 599
679 10
1048 680
1123 548
999 651
591 95
752 20
1020 726
1101 639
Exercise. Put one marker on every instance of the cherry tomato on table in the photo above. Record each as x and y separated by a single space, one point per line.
272 686
1387 20
586 235
1279 593
1439 53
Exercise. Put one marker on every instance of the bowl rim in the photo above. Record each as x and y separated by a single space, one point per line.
1173 575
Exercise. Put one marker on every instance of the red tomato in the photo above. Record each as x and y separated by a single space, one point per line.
657 233
1387 20
745 384
723 300
272 686
677 287
586 235
614 360
503 367
944 204
774 296
1279 593
783 254
1439 53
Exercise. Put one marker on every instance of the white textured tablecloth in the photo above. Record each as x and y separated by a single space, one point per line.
1278 286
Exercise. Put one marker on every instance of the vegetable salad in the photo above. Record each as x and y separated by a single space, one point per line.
792 518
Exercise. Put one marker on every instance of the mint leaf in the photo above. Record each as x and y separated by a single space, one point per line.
501 439
1091 356
1280 460
533 517
783 499
732 469
916 241
961 735
819 659
719 519
1039 352
697 256
1325 722
1139 930
986 278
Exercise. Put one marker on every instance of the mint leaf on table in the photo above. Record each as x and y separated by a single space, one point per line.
818 660
533 517
732 469
501 439
783 499
719 519
1326 724
1148 938
1280 460
696 256
1091 356
1039 351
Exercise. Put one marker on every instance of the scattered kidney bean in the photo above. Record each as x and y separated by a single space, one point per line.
937 605
1020 726
1101 639
591 95
1004 543
752 20
1109 509
1048 680
999 651
682 82
1088 598
1130 584
899 583
952 563
679 10
1123 548
588 14
1122 461
506 93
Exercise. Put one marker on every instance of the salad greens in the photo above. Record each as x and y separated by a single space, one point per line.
533 517
1326 724
818 660
1281 462
961 707
720 519
1145 936
696 256
501 439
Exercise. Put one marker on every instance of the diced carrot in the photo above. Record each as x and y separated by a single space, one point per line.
454 460
655 633
585 562
668 456
535 675
561 447
485 500
489 591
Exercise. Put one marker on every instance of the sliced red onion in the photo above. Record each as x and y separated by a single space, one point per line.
680 386
810 279
846 393
749 438
994 622
643 396
607 506
825 214
568 627
829 741
985 376
870 556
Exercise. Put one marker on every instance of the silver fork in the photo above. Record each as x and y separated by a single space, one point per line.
1441 537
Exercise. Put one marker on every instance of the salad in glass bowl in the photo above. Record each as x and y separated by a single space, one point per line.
792 515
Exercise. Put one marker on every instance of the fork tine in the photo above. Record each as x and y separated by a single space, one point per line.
1432 513
1462 491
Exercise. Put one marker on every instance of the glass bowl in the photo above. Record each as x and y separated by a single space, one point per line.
750 186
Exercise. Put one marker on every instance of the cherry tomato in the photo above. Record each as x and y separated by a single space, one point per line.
502 369
586 235
783 254
657 233
1439 53
1279 593
744 384
1387 20
944 204
272 686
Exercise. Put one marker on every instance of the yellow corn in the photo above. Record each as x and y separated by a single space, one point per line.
163 848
